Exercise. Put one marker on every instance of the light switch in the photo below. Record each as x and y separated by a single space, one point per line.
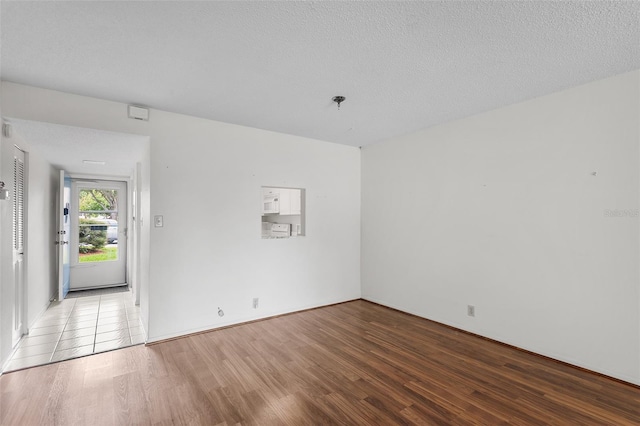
157 221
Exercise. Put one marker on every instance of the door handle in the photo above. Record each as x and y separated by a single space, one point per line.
62 242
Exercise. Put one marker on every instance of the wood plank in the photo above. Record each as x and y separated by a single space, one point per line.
352 363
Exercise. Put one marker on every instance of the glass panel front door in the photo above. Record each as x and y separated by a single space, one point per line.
99 234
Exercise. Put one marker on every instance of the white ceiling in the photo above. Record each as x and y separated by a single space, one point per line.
402 66
67 147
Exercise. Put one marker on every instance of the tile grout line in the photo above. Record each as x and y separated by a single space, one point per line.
122 304
126 314
19 346
62 332
95 334
67 317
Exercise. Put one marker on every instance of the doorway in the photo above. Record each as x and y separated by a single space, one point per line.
99 234
88 155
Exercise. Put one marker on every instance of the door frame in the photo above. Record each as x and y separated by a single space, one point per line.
142 220
63 219
20 298
134 182
135 220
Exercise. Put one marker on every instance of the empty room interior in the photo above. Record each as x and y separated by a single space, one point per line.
320 212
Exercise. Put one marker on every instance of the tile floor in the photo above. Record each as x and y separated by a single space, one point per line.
82 324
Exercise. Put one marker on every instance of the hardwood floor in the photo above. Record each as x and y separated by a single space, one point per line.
353 363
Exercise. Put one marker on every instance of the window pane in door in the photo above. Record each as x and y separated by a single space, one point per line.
98 225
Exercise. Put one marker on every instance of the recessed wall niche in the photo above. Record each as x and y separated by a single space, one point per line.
283 212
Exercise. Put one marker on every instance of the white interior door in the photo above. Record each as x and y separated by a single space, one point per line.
19 195
98 234
64 235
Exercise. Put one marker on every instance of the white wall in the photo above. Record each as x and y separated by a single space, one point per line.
205 178
501 211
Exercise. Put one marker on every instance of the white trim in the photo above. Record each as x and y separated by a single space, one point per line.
568 360
25 247
246 319
137 228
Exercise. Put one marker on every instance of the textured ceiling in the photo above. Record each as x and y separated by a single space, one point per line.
402 66
66 147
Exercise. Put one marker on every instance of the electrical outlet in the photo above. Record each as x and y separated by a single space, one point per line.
471 310
255 302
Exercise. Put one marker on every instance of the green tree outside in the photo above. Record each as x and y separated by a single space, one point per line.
93 236
99 200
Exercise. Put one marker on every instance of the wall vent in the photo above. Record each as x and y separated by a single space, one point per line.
138 113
